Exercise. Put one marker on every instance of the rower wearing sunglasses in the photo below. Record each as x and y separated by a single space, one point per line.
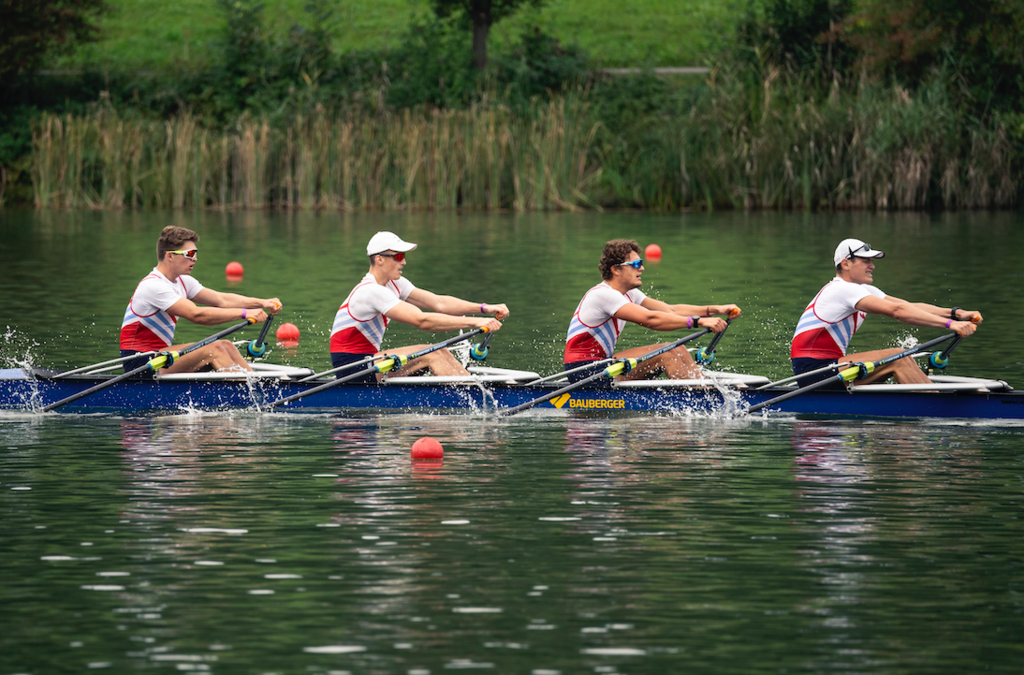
607 307
839 309
384 295
170 292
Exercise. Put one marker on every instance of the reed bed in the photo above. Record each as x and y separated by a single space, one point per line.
739 142
482 158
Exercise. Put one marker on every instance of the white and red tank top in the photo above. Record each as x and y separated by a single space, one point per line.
360 322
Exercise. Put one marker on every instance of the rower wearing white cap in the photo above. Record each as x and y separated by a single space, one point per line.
384 295
840 307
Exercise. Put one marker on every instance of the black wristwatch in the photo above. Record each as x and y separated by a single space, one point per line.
952 314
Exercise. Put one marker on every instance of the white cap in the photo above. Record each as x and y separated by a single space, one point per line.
855 248
388 241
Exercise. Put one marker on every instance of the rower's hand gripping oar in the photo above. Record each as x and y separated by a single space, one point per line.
854 372
937 360
387 363
706 355
620 367
161 360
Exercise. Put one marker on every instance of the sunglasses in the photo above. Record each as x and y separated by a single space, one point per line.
191 254
399 257
635 264
864 247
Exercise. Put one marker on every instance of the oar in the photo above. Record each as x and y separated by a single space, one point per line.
563 373
162 359
855 372
833 366
258 347
387 363
102 364
619 367
332 371
706 355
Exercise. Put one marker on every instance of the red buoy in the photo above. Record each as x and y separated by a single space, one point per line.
427 448
234 270
652 252
288 332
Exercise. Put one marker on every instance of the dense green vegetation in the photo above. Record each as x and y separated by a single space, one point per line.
808 104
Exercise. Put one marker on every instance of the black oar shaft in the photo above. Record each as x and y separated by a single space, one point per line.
386 363
153 364
850 374
611 371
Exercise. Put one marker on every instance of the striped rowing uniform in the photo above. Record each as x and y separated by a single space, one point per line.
829 322
147 326
594 330
360 322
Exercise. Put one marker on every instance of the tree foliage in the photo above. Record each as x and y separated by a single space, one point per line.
30 30
482 14
979 40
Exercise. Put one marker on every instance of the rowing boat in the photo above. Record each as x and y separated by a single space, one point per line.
493 389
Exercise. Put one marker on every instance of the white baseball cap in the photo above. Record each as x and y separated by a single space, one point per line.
388 241
854 248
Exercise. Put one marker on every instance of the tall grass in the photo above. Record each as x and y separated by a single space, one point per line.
779 144
740 141
481 158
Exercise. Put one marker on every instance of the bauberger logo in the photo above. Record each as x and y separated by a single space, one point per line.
560 402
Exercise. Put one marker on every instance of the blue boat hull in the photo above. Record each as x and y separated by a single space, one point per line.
28 394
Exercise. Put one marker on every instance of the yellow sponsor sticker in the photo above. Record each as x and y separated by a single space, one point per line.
560 402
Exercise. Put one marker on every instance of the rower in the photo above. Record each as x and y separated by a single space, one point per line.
384 295
840 308
170 292
607 307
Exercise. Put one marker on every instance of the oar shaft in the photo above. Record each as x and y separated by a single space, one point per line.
849 374
152 364
563 373
611 371
94 366
384 365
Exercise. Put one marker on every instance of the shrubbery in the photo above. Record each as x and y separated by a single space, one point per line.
803 111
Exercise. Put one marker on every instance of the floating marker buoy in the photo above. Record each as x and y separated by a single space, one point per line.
653 252
234 271
288 332
427 448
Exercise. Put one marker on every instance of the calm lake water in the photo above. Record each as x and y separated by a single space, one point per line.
283 543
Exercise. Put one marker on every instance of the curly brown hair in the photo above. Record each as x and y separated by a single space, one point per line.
615 253
171 239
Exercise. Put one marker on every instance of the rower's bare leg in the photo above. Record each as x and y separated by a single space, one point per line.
676 364
220 355
905 370
441 363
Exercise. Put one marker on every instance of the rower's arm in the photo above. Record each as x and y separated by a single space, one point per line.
447 304
946 312
213 298
406 312
211 316
664 321
690 310
911 313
